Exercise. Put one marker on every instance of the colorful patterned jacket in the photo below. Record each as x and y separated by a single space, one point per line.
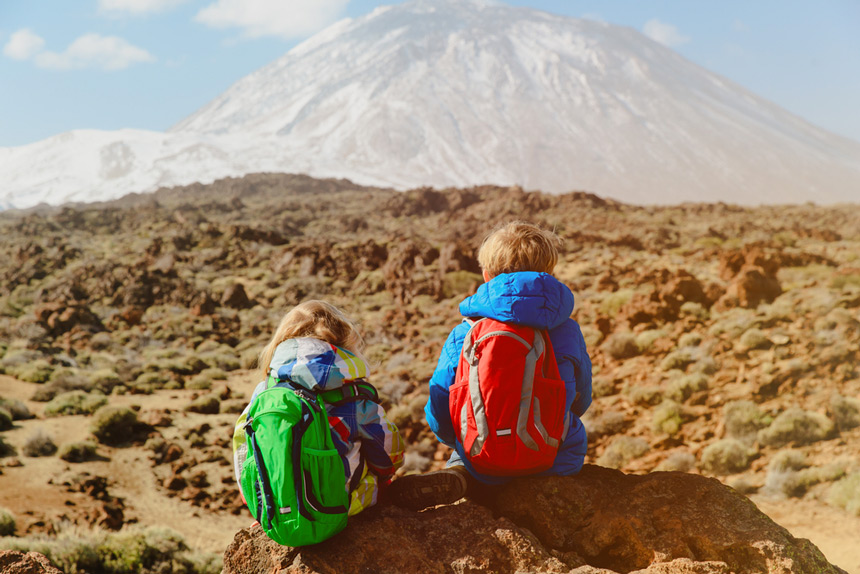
368 443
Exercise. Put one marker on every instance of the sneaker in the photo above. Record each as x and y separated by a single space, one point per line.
420 491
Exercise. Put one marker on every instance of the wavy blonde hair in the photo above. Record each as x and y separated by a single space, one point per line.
316 319
519 246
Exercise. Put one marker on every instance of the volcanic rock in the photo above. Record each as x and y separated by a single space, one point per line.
13 562
601 521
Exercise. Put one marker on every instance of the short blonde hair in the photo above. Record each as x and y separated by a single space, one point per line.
316 319
518 246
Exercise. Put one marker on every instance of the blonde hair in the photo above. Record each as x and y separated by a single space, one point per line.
316 319
518 246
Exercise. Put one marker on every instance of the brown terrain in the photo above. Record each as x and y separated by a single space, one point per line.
725 343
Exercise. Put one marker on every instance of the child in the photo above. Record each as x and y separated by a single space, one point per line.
517 260
321 345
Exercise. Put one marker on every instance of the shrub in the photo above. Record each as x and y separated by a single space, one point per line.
645 339
74 403
39 444
786 460
667 418
678 462
7 523
797 426
726 456
5 419
78 452
845 411
683 387
603 387
207 404
37 371
754 339
690 340
622 450
678 359
795 482
743 420
16 408
605 424
846 493
621 345
114 425
6 449
104 380
644 395
614 301
697 310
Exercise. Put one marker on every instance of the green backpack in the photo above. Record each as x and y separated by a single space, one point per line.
293 478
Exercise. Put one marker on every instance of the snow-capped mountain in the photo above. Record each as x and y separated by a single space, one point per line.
464 92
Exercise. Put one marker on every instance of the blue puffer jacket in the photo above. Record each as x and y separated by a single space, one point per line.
537 300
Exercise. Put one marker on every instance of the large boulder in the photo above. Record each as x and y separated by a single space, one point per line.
601 521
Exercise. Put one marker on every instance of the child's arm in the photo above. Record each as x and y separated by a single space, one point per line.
381 444
436 411
574 364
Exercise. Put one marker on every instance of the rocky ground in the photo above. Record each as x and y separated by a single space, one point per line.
725 342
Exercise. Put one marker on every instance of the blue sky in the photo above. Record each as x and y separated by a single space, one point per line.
110 64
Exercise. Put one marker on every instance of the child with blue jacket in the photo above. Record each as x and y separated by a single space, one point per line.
517 260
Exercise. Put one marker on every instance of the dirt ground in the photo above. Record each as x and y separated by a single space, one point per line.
35 492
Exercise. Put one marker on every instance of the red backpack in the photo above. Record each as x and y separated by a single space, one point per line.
507 402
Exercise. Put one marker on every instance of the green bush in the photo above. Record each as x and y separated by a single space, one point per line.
78 452
6 449
104 380
683 387
645 339
16 408
114 425
7 523
678 359
667 418
74 403
621 345
622 450
613 302
726 456
606 424
603 387
133 550
646 396
5 419
798 427
697 310
37 371
786 460
207 404
39 444
677 462
690 340
846 493
753 339
743 420
845 411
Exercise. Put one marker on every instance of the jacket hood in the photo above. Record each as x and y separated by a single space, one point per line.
316 365
525 298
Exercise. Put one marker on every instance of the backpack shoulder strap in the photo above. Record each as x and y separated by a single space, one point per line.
357 390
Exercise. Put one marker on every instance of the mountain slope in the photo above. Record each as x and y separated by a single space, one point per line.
455 93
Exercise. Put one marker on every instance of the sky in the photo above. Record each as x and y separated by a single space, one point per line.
147 64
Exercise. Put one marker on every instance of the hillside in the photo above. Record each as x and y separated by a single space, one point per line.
724 339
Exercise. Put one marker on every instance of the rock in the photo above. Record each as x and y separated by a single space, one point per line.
235 297
13 562
601 521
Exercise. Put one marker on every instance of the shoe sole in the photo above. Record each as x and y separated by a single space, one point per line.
417 492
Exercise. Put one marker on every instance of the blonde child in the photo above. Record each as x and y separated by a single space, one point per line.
517 260
319 348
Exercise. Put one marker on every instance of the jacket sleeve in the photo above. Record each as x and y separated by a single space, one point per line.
381 444
436 410
574 364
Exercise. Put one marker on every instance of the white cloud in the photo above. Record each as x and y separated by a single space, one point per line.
23 45
137 7
284 18
666 34
95 51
